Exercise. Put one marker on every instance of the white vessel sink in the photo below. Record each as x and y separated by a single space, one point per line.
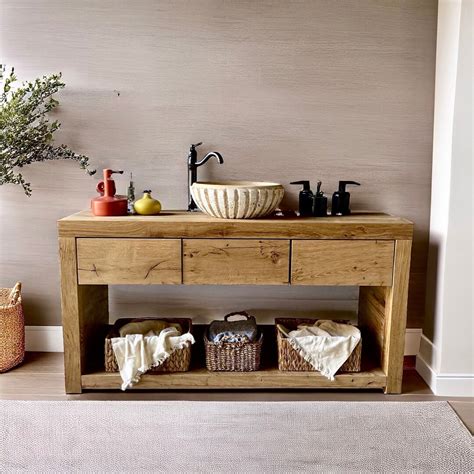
237 199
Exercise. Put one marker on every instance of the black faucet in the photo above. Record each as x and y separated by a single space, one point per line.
193 165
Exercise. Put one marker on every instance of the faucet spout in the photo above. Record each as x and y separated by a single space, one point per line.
212 154
193 165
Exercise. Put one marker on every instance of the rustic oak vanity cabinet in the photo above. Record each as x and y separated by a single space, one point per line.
371 251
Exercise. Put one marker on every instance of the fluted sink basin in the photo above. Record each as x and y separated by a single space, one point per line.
237 199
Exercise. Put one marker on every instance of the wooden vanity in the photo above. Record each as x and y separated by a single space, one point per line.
371 251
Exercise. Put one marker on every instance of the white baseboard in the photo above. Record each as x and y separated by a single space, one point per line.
445 385
412 341
50 339
44 338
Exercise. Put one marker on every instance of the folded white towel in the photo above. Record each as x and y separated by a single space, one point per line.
136 354
326 345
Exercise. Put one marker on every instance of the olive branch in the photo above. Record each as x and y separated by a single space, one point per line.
26 133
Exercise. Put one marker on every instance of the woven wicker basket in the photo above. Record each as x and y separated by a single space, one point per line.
178 361
233 356
12 328
290 360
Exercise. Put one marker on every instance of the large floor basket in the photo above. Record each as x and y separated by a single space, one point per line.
12 328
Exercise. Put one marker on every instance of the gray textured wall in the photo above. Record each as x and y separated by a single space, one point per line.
285 90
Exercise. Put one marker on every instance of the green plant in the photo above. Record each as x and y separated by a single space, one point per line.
26 134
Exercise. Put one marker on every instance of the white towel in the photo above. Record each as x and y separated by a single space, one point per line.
326 345
136 354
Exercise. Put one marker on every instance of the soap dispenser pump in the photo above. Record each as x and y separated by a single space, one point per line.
109 203
341 199
306 199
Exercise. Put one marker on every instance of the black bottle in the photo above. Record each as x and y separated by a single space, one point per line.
320 208
341 200
306 199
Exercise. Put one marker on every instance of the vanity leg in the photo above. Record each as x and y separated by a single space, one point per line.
84 314
395 318
70 314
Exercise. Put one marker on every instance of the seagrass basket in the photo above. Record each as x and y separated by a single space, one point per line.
233 356
178 361
12 328
290 360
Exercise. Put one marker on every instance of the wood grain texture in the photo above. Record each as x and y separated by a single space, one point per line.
383 314
395 317
129 261
84 314
235 262
371 319
337 262
284 89
70 314
244 261
178 224
270 378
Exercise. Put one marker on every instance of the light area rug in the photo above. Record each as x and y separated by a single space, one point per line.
184 436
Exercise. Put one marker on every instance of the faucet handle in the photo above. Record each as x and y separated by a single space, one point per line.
196 145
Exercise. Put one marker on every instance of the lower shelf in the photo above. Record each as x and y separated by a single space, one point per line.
262 379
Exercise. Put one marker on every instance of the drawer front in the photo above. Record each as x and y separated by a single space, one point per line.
338 262
235 262
128 261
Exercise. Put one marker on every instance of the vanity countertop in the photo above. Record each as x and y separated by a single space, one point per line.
179 224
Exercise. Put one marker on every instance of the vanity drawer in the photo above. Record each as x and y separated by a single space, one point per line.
235 262
339 262
128 261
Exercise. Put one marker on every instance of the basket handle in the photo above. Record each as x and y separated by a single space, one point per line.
282 330
15 293
237 313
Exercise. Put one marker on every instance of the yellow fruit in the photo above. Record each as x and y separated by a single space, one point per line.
147 206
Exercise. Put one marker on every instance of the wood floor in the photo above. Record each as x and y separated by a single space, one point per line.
41 377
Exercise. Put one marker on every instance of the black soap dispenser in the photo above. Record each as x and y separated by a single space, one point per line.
341 199
320 208
306 199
